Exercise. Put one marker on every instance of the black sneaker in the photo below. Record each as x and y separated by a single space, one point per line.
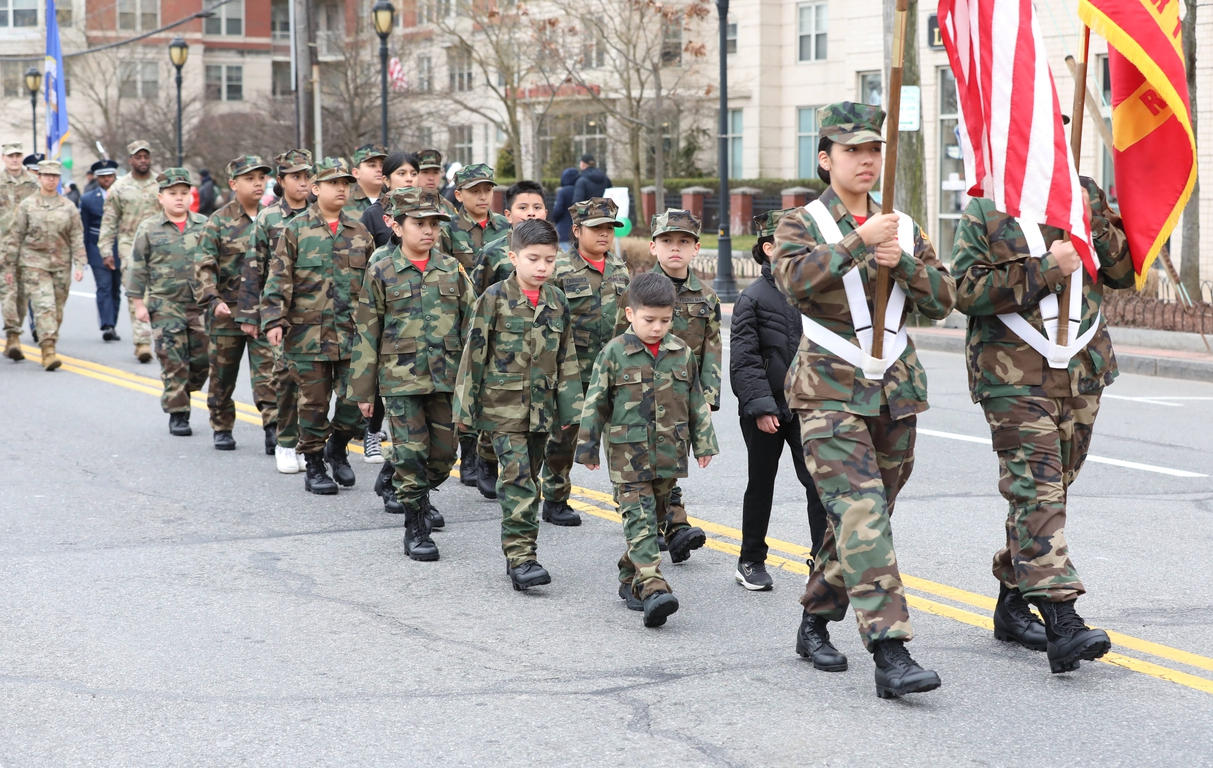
658 607
1070 640
1014 621
898 674
179 424
224 441
634 603
753 576
529 574
107 333
560 513
683 541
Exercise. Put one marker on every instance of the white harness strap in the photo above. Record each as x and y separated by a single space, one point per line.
1056 355
861 317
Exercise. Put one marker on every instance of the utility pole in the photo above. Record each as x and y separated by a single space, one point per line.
302 49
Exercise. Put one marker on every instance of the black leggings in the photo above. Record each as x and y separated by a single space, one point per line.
765 451
375 423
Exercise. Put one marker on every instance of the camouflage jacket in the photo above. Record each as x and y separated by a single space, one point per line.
219 262
809 272
46 233
653 410
519 367
161 262
266 231
14 189
465 239
129 203
411 326
492 265
595 301
995 274
313 284
358 202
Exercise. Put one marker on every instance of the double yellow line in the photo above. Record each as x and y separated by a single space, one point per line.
785 555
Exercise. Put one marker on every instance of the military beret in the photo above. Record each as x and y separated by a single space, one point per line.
137 145
331 169
247 164
675 220
293 161
428 159
846 122
104 168
416 203
595 211
172 177
471 175
13 148
368 152
50 167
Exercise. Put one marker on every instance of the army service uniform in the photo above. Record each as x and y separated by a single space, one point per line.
13 190
130 202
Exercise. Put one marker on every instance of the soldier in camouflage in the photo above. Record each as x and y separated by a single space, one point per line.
16 184
518 380
368 173
1040 398
295 182
593 279
429 176
45 242
160 285
644 394
219 264
857 413
413 313
307 307
133 199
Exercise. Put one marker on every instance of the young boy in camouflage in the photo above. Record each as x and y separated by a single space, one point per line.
413 312
159 280
594 280
429 176
518 380
644 393
295 183
523 201
218 265
368 173
307 307
1040 399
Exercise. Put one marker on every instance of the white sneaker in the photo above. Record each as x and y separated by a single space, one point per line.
288 463
372 448
299 457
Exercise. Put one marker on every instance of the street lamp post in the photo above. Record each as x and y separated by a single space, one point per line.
33 83
724 285
178 52
384 16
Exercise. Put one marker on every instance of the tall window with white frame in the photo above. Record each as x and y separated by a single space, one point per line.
734 136
280 20
1107 176
871 88
812 23
952 195
139 15
224 82
138 80
806 142
18 13
227 19
461 144
425 74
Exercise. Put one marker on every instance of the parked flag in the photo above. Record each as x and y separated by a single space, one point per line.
396 76
57 127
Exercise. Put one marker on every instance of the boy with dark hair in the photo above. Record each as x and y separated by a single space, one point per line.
524 200
519 381
368 173
644 392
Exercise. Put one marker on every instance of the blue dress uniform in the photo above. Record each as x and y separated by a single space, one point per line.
109 285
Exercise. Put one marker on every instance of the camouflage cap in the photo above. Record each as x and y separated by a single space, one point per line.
595 211
171 177
331 169
137 145
765 223
293 161
13 148
429 159
50 167
675 220
415 202
368 152
247 164
471 175
849 123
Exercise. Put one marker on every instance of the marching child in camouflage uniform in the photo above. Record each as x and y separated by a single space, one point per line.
594 280
429 176
858 414
413 313
1040 399
519 381
295 183
523 201
219 262
307 307
368 173
644 393
159 280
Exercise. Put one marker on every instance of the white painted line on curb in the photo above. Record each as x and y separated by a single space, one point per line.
82 293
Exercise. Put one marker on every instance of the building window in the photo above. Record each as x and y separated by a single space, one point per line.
593 52
671 43
871 90
280 20
18 13
425 74
589 137
138 80
224 82
228 19
806 142
64 16
141 15
459 68
281 83
952 196
13 75
730 37
461 144
425 137
736 124
432 11
330 35
812 22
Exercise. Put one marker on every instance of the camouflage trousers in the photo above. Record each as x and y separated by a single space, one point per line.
318 380
558 463
858 465
286 390
484 446
181 348
640 566
13 300
422 428
141 331
225 355
1042 443
519 456
46 292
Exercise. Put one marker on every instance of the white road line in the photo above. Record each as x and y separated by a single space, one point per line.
1092 459
82 293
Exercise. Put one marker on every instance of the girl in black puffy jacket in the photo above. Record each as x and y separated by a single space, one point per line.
763 340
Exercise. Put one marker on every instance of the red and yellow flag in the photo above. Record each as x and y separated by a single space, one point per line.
1155 151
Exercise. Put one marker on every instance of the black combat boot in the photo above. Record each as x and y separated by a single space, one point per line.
813 643
317 480
417 542
897 673
658 607
1070 640
662 546
1014 621
435 518
683 541
179 424
634 603
224 441
271 439
486 478
336 452
383 487
560 513
529 574
468 460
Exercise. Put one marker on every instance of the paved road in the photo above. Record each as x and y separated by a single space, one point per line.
162 603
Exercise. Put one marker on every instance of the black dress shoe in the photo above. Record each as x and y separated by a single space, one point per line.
813 643
1014 621
683 541
658 607
336 452
317 480
271 439
486 478
634 603
897 673
224 441
560 513
107 333
529 574
179 424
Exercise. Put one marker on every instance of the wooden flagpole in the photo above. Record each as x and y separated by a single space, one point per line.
889 177
1076 115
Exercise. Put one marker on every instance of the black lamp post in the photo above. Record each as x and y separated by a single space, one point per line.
178 52
33 83
384 16
724 285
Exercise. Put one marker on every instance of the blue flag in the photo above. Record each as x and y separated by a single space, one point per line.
57 128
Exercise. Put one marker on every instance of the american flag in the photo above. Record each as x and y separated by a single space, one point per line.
1015 148
395 75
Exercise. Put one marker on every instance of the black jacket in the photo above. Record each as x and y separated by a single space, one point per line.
559 216
591 183
763 340
206 196
372 219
